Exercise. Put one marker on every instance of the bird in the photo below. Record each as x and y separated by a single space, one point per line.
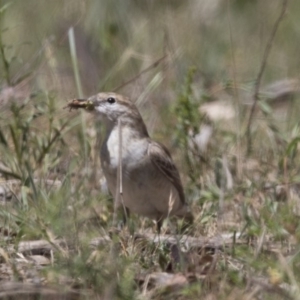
149 181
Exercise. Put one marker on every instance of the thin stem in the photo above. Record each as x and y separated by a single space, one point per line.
75 61
260 74
152 66
5 61
236 98
119 187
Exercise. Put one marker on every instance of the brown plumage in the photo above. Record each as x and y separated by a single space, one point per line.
150 180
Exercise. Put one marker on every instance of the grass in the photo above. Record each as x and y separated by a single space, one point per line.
244 242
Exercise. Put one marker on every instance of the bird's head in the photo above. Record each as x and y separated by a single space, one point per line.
110 107
113 106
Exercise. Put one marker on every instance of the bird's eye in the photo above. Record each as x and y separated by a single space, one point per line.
111 100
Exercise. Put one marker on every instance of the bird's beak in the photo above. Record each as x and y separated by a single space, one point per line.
81 103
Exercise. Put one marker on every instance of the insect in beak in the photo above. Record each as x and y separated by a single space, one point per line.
80 103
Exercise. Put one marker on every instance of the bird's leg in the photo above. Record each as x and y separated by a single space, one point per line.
125 214
122 217
159 223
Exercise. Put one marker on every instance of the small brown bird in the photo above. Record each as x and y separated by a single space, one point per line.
150 181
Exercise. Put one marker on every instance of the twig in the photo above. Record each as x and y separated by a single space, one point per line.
290 274
152 66
51 142
119 187
260 73
268 288
260 242
110 290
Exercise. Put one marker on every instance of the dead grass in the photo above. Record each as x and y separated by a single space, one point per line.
56 238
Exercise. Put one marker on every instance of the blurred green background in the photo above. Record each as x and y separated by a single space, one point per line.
115 40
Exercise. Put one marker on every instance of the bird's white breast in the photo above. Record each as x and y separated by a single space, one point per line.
133 149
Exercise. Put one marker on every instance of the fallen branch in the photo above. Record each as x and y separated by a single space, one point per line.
19 290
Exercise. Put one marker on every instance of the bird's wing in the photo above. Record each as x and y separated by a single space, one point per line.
161 158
